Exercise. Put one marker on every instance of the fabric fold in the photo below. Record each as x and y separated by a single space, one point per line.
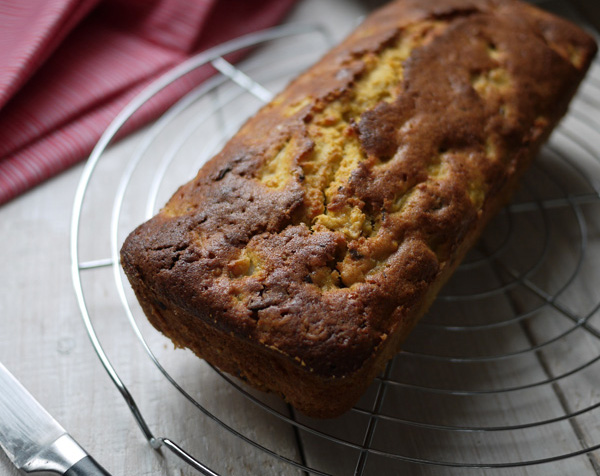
90 58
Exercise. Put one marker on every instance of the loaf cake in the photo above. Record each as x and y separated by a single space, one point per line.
301 256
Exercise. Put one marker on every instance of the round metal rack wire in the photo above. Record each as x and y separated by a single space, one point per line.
506 362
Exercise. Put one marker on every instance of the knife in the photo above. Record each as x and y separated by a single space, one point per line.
33 440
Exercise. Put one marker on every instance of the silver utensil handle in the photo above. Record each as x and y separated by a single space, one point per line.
87 467
65 456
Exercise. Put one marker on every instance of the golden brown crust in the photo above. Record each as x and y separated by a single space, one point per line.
301 256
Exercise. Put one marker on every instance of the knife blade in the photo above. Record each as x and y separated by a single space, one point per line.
33 440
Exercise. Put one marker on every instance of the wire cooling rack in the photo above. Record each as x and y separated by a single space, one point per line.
503 372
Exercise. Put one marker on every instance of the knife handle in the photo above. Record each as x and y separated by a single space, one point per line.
86 467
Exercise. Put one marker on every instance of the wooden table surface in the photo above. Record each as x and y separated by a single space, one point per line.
549 279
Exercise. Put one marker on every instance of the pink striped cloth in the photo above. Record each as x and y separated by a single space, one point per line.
67 67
